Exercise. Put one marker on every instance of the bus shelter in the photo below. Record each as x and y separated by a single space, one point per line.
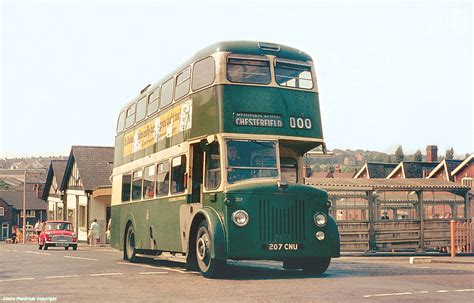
395 214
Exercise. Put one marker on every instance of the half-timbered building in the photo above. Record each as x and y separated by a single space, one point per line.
87 188
53 194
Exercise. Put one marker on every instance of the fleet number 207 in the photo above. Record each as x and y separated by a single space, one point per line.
283 246
301 123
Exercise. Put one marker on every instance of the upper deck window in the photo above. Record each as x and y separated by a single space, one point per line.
204 72
182 83
130 116
291 74
121 122
243 70
153 102
141 109
166 93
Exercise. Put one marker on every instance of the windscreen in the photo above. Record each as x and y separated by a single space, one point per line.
59 226
293 75
248 71
250 159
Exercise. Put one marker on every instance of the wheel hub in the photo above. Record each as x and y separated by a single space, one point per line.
202 247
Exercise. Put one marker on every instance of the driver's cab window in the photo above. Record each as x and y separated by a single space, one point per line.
289 170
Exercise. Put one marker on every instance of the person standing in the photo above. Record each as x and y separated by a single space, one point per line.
94 232
38 228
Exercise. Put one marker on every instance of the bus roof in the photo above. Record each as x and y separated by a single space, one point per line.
238 47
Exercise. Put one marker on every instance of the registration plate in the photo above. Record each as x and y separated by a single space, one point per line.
284 246
61 244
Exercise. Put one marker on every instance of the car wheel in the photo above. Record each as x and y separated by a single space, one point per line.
66 248
45 247
209 267
315 265
130 251
74 247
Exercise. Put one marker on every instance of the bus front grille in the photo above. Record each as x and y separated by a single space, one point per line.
282 223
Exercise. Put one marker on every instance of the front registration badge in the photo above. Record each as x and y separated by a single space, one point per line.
284 246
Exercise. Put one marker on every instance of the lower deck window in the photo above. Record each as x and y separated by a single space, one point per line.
178 173
126 184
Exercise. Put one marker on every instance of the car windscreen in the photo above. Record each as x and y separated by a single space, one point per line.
59 226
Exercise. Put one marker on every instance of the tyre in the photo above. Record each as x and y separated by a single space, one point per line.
74 247
129 252
66 248
315 266
45 247
209 267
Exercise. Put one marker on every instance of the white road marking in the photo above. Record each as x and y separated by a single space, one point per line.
58 277
80 258
37 253
181 271
152 273
107 274
134 264
418 292
20 279
392 294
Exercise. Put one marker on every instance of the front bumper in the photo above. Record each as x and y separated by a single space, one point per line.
60 243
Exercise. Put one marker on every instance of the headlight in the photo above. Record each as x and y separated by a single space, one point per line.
320 219
240 218
320 235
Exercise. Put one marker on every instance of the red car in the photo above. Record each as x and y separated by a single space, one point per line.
57 233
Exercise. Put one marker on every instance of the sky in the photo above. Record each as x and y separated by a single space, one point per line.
389 72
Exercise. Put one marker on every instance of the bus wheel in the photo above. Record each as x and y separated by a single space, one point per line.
315 265
129 252
209 267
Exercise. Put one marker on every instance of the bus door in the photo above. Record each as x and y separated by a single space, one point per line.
197 173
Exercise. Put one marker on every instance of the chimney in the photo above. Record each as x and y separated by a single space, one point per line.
432 153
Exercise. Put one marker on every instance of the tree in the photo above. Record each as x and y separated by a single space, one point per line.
418 156
399 156
449 154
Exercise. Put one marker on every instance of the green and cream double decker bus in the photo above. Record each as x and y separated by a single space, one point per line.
209 163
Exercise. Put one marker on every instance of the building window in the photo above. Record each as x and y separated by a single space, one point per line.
60 213
182 83
82 216
2 212
30 213
70 216
203 73
466 181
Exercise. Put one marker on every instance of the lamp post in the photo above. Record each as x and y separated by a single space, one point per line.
24 207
